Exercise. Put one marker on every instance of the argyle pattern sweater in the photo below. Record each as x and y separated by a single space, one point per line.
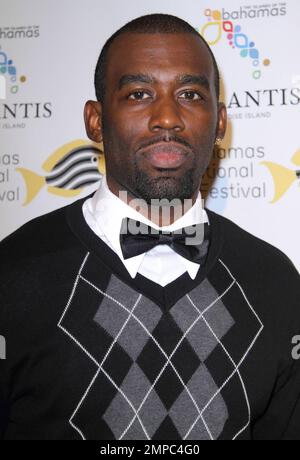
93 354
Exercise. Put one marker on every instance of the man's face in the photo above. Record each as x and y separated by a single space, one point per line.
160 115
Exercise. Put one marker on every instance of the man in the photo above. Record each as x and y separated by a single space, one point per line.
125 322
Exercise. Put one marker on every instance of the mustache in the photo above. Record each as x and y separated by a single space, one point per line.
166 138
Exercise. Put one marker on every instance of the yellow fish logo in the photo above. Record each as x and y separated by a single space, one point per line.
67 171
283 177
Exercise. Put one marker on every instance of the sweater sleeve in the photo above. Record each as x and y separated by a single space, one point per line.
281 420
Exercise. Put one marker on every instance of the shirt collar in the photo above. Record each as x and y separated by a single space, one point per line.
108 210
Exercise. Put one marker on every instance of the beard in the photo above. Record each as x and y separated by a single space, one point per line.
165 187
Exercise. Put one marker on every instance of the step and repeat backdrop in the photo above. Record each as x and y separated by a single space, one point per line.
48 52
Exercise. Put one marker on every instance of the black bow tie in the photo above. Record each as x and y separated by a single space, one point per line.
190 242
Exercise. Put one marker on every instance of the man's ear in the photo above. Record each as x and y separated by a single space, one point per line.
222 121
93 120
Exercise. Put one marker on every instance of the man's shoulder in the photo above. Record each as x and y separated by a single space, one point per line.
37 231
244 248
46 235
39 261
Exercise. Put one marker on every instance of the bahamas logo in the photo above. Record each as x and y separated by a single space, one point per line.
216 27
68 170
8 76
283 177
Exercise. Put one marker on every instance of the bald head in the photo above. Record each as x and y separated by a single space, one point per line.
149 24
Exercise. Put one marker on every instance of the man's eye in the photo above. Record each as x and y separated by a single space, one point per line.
139 96
191 95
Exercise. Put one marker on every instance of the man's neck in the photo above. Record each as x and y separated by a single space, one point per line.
162 214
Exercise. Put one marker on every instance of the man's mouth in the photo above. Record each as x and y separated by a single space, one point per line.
166 155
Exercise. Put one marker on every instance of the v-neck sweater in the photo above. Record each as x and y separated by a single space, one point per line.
95 354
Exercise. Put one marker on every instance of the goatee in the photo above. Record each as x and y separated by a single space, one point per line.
164 187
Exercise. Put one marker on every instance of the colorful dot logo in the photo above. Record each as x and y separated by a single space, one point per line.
216 28
9 70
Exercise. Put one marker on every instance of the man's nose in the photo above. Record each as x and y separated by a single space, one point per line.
166 115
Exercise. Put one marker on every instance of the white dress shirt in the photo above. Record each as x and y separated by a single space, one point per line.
104 212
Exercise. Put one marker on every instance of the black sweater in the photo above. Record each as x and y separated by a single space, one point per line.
94 354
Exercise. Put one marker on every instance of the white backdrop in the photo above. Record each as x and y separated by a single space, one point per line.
48 52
